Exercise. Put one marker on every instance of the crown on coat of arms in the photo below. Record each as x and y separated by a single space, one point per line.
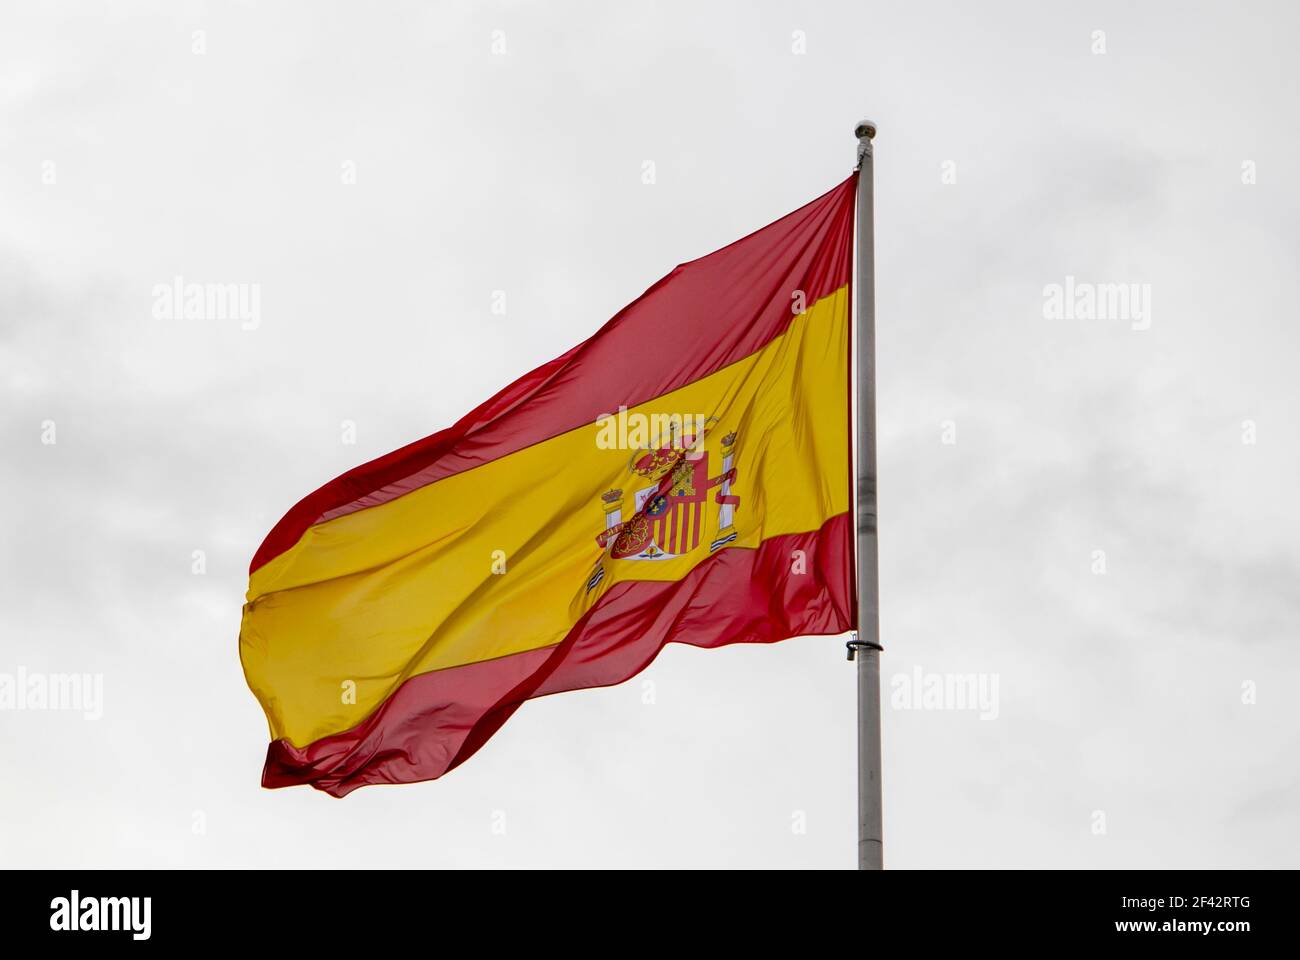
656 463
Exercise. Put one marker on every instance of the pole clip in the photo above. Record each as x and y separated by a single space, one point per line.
855 645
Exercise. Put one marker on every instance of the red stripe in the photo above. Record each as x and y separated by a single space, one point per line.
436 721
706 314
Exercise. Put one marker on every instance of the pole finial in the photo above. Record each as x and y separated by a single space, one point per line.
865 131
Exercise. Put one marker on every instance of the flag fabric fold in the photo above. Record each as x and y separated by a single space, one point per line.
681 476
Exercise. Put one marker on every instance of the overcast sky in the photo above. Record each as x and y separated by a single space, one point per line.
218 142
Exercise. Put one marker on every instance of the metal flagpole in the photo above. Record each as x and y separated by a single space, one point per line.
865 646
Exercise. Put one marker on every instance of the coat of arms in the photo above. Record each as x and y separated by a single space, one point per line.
667 517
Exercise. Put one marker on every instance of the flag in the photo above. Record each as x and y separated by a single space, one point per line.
684 475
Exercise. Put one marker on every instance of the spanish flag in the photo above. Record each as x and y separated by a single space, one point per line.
683 475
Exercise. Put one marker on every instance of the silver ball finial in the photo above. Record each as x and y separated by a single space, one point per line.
865 131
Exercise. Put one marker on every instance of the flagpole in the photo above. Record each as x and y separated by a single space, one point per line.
865 646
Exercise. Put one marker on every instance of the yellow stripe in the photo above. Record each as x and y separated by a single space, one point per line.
366 600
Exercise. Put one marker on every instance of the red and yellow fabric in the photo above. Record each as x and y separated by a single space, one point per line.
683 475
